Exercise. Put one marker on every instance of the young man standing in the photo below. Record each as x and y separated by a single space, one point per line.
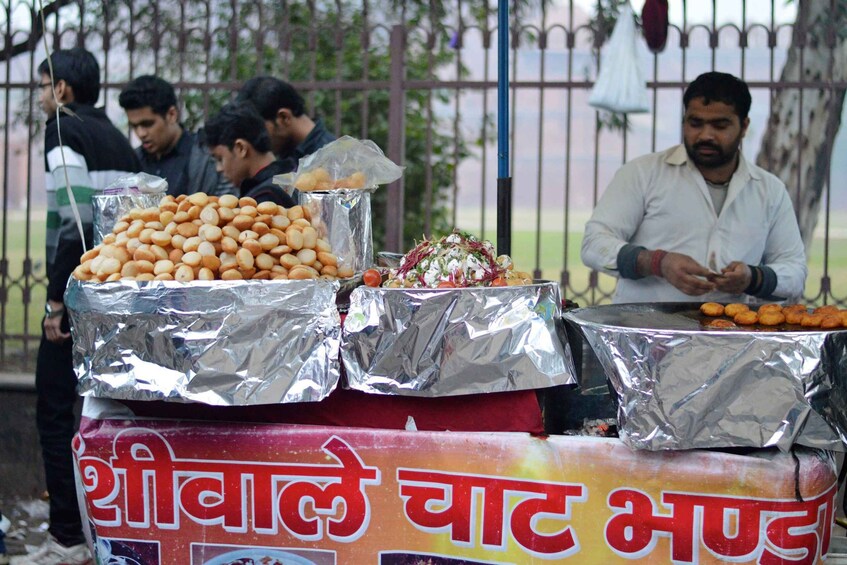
167 149
92 153
293 134
239 142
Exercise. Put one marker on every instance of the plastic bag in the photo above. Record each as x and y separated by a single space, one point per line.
344 163
620 86
138 182
139 190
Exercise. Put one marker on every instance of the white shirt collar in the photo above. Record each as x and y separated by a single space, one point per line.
679 156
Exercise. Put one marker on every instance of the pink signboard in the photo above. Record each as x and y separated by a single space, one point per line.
168 491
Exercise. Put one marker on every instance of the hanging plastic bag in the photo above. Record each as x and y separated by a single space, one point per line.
620 86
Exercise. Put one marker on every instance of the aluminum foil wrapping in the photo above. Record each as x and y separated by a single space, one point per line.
343 218
224 343
680 386
108 208
442 342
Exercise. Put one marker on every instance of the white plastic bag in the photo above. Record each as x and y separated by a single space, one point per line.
620 86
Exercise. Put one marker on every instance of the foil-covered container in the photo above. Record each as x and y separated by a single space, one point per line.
682 386
443 342
109 208
225 343
343 218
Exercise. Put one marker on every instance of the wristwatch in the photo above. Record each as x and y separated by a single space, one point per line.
53 312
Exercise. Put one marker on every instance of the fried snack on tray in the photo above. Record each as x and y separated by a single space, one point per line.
771 317
769 308
811 320
794 315
712 309
455 260
734 309
721 323
201 237
826 309
831 321
746 318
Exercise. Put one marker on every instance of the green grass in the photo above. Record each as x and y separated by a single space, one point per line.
23 308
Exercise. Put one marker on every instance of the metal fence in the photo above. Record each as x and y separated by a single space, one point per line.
421 79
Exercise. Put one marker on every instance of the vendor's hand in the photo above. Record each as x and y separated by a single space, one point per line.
53 327
686 274
733 279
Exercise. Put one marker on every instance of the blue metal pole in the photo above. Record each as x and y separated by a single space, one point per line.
504 180
503 89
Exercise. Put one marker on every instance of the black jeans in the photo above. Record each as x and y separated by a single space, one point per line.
55 383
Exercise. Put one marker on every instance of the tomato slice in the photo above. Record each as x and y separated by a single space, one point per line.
372 278
446 284
499 281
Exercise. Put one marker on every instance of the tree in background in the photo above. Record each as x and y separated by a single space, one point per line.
342 43
804 122
797 145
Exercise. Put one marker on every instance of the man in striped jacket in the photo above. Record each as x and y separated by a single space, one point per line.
85 151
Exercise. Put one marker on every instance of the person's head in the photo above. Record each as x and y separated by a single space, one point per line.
281 107
715 121
237 139
150 105
76 78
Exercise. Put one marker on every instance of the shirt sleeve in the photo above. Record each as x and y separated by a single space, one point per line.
69 167
785 252
615 220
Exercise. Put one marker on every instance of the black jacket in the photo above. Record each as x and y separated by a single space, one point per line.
317 138
262 189
188 168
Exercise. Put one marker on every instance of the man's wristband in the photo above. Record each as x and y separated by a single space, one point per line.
51 312
763 281
627 261
656 262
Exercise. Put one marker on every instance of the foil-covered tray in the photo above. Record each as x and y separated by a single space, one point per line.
343 218
681 385
224 343
443 342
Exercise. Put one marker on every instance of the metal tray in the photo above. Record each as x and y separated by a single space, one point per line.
678 316
680 385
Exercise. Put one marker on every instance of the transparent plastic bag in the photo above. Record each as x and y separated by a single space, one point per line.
138 190
137 183
344 163
620 87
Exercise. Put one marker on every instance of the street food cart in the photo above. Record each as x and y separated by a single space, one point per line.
240 422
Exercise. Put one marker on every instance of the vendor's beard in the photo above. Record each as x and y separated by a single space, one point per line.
718 159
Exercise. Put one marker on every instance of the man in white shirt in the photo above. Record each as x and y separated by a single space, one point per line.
698 219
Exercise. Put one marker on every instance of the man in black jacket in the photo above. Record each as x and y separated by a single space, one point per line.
293 133
239 142
91 154
167 149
